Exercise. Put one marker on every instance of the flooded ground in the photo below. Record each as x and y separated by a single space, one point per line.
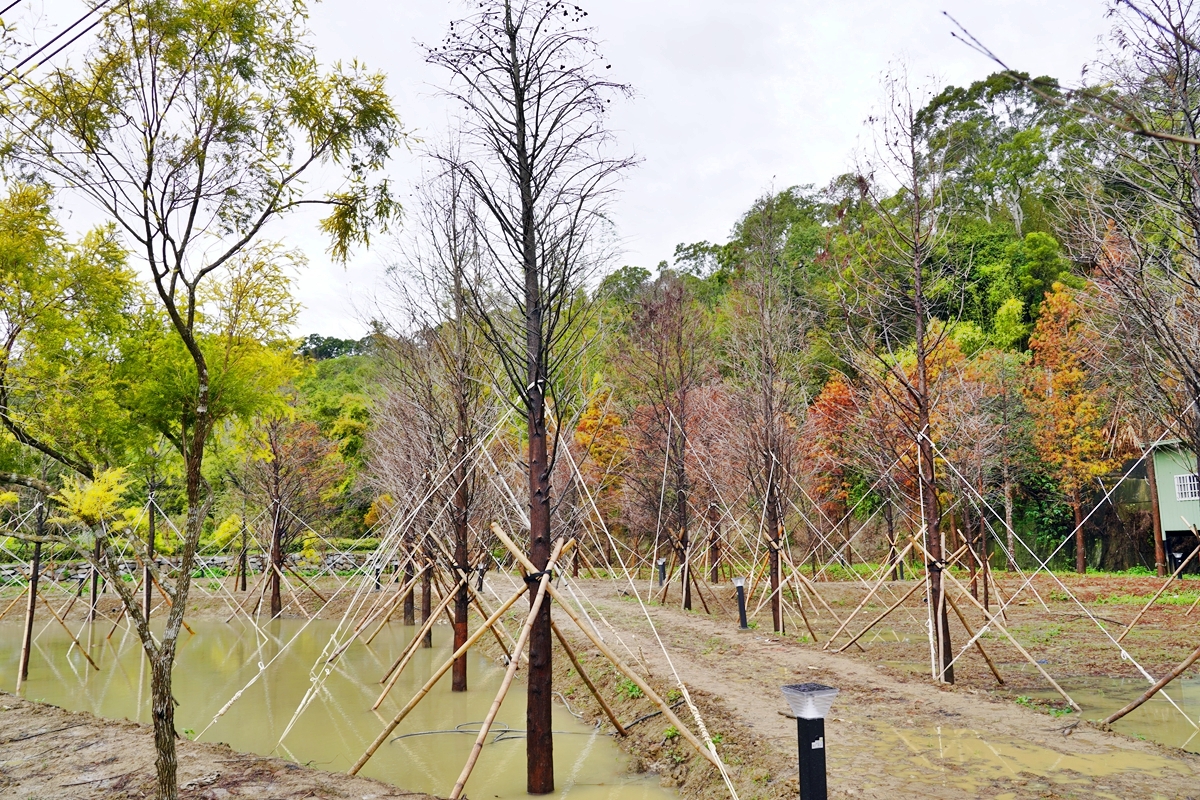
426 753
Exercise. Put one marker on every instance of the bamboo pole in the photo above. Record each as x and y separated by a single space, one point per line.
411 650
15 600
1156 688
241 606
390 605
391 726
510 673
169 603
916 585
878 585
608 712
1158 594
621 666
992 620
75 641
978 644
300 577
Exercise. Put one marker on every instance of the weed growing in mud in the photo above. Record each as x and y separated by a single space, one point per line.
674 695
1043 706
629 690
670 733
717 738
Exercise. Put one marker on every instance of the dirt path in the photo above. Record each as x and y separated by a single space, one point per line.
46 752
891 735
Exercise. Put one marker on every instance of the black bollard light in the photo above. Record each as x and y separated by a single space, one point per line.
810 702
662 572
740 584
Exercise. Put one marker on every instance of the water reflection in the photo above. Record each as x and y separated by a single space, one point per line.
426 753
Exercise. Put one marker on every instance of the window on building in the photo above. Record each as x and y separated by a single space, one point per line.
1187 487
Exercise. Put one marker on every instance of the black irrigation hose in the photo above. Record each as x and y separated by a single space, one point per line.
652 715
500 729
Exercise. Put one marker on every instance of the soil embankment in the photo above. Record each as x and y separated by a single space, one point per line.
46 752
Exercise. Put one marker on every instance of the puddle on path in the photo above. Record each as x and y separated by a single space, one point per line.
220 659
967 760
1157 720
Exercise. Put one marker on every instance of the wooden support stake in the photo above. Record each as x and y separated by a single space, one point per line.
300 577
15 600
1156 688
916 585
429 684
169 603
991 619
878 585
608 712
486 726
75 641
652 695
393 674
978 644
390 606
1158 594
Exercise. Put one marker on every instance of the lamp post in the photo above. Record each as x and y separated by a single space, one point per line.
662 572
810 702
740 584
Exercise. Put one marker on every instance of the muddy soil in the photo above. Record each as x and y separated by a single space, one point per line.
893 732
46 752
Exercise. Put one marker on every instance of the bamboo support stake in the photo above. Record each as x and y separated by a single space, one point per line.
486 726
169 603
75 641
916 585
391 726
16 600
878 585
1158 594
608 712
1156 688
300 577
411 650
242 605
978 644
621 666
992 620
390 607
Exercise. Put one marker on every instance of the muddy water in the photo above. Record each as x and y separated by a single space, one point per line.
1157 720
425 753
975 762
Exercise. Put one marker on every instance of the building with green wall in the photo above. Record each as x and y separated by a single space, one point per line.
1178 495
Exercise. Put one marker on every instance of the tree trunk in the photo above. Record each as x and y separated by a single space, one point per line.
714 547
1160 550
410 615
162 711
427 604
147 580
775 526
462 596
1010 533
276 564
36 568
1080 548
539 750
91 615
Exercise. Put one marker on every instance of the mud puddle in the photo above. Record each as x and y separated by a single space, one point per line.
426 753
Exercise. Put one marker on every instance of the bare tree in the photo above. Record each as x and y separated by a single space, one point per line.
894 329
1141 220
440 369
292 475
536 155
765 354
665 362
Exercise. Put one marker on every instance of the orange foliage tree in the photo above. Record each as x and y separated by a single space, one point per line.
1067 408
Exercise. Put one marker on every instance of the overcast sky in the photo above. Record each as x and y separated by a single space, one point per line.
733 98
